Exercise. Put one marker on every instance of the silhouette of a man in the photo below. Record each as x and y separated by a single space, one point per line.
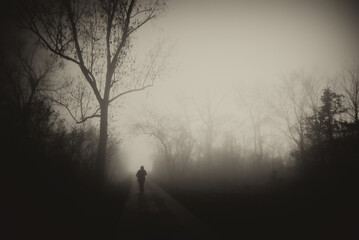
141 176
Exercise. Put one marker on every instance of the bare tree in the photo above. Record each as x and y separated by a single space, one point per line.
95 36
173 137
208 114
291 107
298 97
160 128
350 86
257 116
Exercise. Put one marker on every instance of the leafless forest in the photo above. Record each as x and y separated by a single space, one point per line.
244 116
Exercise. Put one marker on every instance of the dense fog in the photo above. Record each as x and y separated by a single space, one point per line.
182 119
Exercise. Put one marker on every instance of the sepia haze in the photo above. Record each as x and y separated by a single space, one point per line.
242 116
225 49
233 52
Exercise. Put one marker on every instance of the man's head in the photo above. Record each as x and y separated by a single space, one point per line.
142 168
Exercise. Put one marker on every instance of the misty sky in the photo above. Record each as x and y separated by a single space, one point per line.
222 44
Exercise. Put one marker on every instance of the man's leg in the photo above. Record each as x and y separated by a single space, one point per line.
141 186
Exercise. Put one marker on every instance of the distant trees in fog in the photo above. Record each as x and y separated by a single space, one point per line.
257 110
307 109
183 149
314 111
297 97
350 87
174 140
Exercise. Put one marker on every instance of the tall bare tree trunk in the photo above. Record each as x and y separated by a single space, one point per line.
101 151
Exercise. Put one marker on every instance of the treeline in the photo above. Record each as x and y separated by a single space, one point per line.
49 166
33 134
311 112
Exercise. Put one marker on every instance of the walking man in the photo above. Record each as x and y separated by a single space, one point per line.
141 175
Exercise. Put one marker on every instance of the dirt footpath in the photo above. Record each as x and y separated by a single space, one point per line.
156 215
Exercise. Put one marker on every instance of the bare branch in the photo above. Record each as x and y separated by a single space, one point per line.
83 118
88 75
125 34
130 91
